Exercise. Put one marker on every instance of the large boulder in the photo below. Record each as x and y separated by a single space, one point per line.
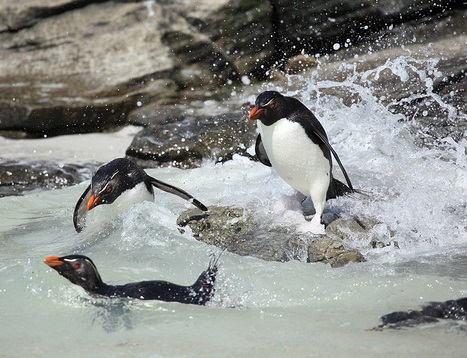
77 66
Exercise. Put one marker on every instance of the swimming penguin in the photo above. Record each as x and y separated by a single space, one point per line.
294 143
81 271
123 180
433 312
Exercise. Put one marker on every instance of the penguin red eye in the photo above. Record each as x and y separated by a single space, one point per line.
271 105
76 266
109 189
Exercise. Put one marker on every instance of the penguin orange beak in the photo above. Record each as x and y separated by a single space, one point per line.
53 261
255 113
93 202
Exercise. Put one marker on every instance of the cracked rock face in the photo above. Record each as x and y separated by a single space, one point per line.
82 66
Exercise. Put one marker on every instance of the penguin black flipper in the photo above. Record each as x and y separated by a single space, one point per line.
346 176
176 191
315 129
261 152
79 215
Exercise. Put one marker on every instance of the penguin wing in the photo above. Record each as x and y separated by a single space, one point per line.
79 215
177 191
318 130
261 152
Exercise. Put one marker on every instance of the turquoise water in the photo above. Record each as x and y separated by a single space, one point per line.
417 195
262 308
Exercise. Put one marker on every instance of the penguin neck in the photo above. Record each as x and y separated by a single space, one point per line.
91 283
270 119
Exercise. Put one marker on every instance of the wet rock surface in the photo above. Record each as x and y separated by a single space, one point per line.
84 66
187 143
425 85
236 231
20 177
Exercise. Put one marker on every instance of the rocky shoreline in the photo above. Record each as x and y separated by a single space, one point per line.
183 73
86 66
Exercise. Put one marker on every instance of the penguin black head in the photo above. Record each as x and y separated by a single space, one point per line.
78 269
269 107
112 179
119 176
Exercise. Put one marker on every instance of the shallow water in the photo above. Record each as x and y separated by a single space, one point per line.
260 308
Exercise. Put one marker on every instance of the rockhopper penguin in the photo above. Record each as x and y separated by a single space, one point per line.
122 180
81 271
294 143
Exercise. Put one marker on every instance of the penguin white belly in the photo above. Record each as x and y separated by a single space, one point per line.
299 161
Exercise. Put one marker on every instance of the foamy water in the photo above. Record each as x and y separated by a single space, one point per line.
417 195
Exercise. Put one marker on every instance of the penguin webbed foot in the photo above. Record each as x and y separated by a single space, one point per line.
314 227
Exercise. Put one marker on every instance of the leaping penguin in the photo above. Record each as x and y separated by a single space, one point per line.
294 143
124 180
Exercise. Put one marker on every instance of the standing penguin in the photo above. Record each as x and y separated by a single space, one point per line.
122 181
294 143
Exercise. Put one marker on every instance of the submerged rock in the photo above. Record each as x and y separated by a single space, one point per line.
19 177
236 231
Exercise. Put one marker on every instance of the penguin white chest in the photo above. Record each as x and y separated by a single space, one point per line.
299 161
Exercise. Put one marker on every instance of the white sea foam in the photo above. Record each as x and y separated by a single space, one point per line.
417 195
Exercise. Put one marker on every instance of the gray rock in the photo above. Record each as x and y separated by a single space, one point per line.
77 66
236 231
187 143
352 25
82 65
20 177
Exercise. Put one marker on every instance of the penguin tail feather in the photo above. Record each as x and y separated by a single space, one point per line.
204 286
